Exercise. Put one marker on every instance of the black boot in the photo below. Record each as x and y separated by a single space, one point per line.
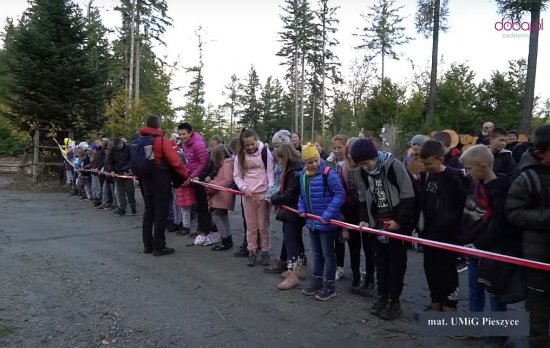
226 244
242 252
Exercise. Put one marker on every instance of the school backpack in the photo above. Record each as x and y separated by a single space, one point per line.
326 173
142 157
392 178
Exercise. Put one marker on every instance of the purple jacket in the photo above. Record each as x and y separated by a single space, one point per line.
196 152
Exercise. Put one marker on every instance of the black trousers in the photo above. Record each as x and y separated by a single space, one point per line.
205 219
538 305
391 264
245 243
340 249
158 189
293 244
356 240
441 274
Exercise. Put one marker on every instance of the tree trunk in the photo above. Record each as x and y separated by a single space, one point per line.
382 79
232 116
302 87
430 115
529 93
296 127
137 58
132 53
313 119
323 96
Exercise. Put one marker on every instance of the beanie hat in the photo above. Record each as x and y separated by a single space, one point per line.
418 139
282 136
309 151
83 146
363 150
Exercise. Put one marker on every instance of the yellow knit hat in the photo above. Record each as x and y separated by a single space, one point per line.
309 151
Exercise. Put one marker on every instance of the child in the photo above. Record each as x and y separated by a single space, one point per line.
322 197
442 203
452 155
288 194
221 202
528 208
243 248
336 162
504 162
387 201
356 238
412 160
253 174
280 137
484 226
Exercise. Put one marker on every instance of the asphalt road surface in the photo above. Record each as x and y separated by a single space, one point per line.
73 276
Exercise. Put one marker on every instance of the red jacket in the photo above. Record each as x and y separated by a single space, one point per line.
162 148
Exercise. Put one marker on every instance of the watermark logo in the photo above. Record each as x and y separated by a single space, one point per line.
511 25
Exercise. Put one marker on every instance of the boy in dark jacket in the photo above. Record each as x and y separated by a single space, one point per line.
119 163
443 197
504 162
528 208
484 227
387 200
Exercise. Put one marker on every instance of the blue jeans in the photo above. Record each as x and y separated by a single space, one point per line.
324 254
477 291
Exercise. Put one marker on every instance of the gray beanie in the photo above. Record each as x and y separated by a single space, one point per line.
282 136
418 139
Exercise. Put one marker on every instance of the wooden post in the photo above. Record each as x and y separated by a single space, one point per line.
36 155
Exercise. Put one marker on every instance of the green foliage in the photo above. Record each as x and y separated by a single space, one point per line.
251 112
384 105
12 142
47 61
424 19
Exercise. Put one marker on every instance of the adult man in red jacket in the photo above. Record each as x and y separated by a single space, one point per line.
158 189
198 161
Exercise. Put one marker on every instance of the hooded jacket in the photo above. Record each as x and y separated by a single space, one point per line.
318 199
256 178
224 177
400 194
288 194
505 164
528 209
162 149
196 153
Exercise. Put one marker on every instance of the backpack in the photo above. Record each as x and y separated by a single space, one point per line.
326 173
264 157
142 156
392 178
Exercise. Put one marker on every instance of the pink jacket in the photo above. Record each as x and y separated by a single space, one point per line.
218 199
256 178
185 196
196 153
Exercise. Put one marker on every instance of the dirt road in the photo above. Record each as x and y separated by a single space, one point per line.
73 276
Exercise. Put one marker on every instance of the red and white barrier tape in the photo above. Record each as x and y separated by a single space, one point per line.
446 246
451 247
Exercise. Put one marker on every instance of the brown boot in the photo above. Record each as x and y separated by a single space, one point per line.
301 271
435 307
448 309
291 281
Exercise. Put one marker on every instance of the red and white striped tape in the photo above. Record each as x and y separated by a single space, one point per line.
451 247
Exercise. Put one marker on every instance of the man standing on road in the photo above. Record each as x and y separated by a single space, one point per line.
196 152
158 188
119 163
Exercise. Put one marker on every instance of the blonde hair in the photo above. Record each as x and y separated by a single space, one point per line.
340 137
479 154
349 162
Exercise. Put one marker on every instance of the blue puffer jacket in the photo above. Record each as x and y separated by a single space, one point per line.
321 201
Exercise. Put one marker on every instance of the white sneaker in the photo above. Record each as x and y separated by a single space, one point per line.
208 240
199 240
339 273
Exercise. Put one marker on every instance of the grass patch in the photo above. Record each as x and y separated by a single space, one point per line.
5 330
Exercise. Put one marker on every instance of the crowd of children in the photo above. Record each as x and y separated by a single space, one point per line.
494 196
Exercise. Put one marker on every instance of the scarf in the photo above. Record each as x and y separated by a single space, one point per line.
382 156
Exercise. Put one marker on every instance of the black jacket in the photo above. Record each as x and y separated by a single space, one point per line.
443 205
119 160
504 164
99 159
483 139
288 195
528 209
